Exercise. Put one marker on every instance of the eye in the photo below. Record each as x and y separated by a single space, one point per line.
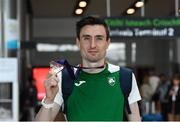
99 38
86 38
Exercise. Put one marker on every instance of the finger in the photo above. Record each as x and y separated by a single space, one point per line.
55 77
53 80
55 70
51 74
53 83
48 80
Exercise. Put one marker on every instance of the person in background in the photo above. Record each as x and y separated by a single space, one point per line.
153 81
160 95
174 99
145 89
146 93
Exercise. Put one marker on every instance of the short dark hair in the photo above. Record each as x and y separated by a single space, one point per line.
91 21
176 77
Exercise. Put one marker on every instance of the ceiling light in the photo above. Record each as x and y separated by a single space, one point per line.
82 4
139 4
79 11
130 11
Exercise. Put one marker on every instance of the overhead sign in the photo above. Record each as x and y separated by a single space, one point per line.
144 27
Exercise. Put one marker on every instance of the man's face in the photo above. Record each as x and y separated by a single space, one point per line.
93 43
176 82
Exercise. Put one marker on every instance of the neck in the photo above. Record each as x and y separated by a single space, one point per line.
93 64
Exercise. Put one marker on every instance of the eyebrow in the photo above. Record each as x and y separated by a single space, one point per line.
100 36
86 35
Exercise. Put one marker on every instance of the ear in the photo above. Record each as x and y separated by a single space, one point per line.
77 42
108 42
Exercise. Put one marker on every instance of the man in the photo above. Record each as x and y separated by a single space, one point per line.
96 94
160 95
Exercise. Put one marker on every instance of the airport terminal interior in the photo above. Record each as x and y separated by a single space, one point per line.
145 37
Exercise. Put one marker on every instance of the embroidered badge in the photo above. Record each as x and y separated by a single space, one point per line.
111 81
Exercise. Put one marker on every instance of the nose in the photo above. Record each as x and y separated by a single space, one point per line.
93 43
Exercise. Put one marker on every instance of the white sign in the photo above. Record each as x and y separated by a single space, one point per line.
9 74
11 29
11 33
8 70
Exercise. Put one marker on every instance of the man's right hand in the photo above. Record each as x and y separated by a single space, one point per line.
51 87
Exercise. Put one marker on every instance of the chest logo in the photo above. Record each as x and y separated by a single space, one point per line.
111 81
80 83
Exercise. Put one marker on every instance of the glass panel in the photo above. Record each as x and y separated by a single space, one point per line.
5 110
5 91
5 101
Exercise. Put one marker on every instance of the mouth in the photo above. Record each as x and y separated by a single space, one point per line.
92 52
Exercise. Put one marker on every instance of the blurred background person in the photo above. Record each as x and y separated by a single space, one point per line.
153 81
160 96
146 94
174 99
